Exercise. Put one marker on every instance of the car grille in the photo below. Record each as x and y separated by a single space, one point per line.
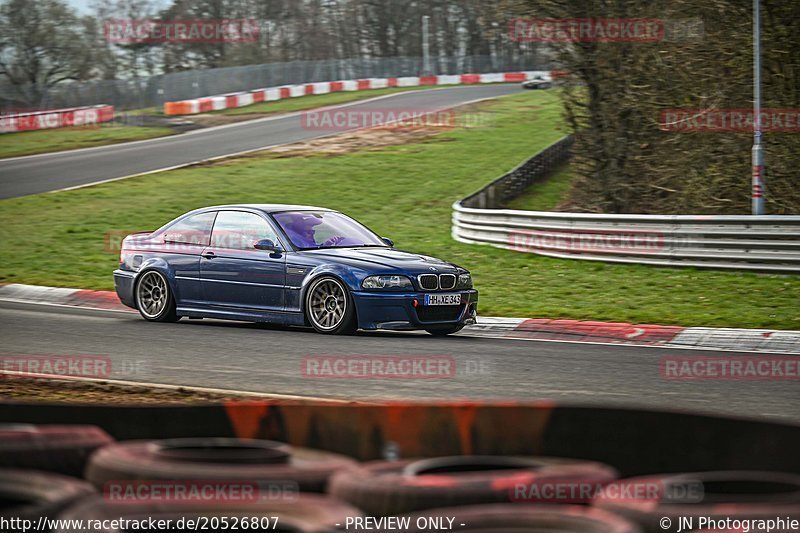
447 281
435 313
429 282
433 282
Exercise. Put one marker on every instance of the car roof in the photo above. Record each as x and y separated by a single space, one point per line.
269 208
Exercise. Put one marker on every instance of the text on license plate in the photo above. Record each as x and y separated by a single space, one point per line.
443 299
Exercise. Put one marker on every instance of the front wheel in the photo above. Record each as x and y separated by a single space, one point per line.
330 308
154 299
446 330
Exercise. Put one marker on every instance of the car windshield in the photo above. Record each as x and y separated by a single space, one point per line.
325 229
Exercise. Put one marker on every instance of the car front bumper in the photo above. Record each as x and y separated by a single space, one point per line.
393 310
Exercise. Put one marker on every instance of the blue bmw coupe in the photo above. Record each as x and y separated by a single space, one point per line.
292 265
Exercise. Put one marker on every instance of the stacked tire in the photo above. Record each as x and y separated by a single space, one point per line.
40 467
31 495
213 459
723 496
52 448
321 492
385 488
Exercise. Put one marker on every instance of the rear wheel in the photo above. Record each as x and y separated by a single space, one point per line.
330 308
446 330
154 298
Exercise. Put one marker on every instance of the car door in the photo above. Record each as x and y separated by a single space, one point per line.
233 273
180 245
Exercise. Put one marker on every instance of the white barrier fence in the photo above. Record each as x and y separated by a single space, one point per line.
245 98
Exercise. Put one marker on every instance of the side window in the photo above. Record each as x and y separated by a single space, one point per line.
193 230
240 231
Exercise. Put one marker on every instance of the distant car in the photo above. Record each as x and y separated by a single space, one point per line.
537 82
292 265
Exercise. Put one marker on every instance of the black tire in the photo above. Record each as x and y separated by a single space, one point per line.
446 330
717 495
302 513
161 293
215 459
510 518
29 495
339 298
61 449
386 488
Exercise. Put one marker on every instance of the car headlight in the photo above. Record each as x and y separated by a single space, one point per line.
464 281
386 282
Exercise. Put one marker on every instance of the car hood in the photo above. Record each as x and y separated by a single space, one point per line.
383 259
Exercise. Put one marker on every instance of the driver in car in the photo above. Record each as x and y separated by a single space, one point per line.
301 232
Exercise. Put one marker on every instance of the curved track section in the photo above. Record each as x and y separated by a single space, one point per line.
239 356
49 172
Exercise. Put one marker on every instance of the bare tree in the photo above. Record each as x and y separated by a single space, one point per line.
42 43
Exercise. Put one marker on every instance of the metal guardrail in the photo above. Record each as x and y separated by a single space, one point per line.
761 243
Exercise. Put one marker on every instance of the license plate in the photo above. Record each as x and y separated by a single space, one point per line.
443 299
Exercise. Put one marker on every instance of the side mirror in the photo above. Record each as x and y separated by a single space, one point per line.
268 245
388 241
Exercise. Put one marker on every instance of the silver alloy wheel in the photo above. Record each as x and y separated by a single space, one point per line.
152 294
327 304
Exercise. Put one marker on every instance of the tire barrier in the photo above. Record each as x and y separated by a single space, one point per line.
627 438
29 495
56 118
387 488
508 518
752 495
306 513
245 98
61 449
215 459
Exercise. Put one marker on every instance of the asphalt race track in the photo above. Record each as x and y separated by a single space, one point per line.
259 358
48 172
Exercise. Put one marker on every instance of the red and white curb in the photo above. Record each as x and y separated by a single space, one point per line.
733 339
269 94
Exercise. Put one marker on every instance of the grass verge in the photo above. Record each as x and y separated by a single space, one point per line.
42 141
545 196
404 192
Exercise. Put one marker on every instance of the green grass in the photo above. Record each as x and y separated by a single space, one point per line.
404 192
546 195
41 141
288 105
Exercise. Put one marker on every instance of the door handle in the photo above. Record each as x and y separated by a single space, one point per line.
209 255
